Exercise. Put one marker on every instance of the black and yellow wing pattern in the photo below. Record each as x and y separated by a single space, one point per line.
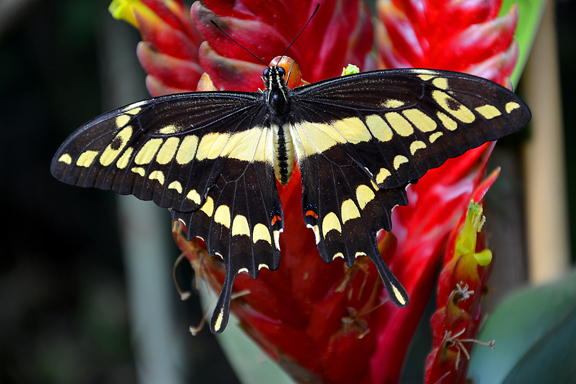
359 140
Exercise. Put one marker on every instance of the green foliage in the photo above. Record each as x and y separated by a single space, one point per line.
530 14
535 333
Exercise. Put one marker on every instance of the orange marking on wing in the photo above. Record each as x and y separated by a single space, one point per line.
312 213
275 219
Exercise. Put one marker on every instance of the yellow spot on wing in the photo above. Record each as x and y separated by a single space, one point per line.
454 107
211 145
246 145
364 195
440 82
392 103
261 232
399 160
316 232
187 150
175 185
277 239
399 124
208 207
245 270
330 223
425 77
122 120
311 138
65 158
416 145
339 254
379 128
448 123
168 130
398 295
433 137
139 170
116 146
421 120
157 175
260 266
123 160
488 111
86 158
195 197
353 130
382 175
167 151
133 111
219 319
240 226
511 106
349 211
222 215
147 152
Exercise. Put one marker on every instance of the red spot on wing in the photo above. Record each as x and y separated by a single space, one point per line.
275 219
312 213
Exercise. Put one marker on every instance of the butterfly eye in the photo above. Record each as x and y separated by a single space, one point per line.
282 71
266 72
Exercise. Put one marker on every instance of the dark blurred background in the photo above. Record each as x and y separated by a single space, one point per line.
64 301
64 307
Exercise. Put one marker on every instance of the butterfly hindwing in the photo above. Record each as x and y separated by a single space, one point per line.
398 124
241 221
344 207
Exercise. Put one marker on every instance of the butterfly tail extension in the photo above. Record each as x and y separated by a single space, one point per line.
395 290
222 310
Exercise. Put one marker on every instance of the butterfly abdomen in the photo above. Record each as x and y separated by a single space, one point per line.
283 153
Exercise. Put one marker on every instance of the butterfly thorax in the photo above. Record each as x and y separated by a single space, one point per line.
278 101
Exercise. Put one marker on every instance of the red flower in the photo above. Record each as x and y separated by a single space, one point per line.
326 322
465 270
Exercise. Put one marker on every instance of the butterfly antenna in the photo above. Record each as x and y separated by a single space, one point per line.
299 33
240 45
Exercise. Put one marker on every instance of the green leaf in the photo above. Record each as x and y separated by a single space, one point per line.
530 14
535 333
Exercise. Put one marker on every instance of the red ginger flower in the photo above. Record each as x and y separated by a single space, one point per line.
466 268
327 322
464 36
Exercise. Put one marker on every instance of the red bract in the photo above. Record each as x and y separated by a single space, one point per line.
325 322
465 36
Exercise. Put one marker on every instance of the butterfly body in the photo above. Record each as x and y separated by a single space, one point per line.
213 158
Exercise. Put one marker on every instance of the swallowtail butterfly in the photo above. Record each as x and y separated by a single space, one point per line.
213 158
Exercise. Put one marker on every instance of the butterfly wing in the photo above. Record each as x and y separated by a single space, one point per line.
205 155
400 123
361 139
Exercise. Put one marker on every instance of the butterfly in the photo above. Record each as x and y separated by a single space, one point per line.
213 158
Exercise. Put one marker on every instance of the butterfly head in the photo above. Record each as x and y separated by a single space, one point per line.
277 92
